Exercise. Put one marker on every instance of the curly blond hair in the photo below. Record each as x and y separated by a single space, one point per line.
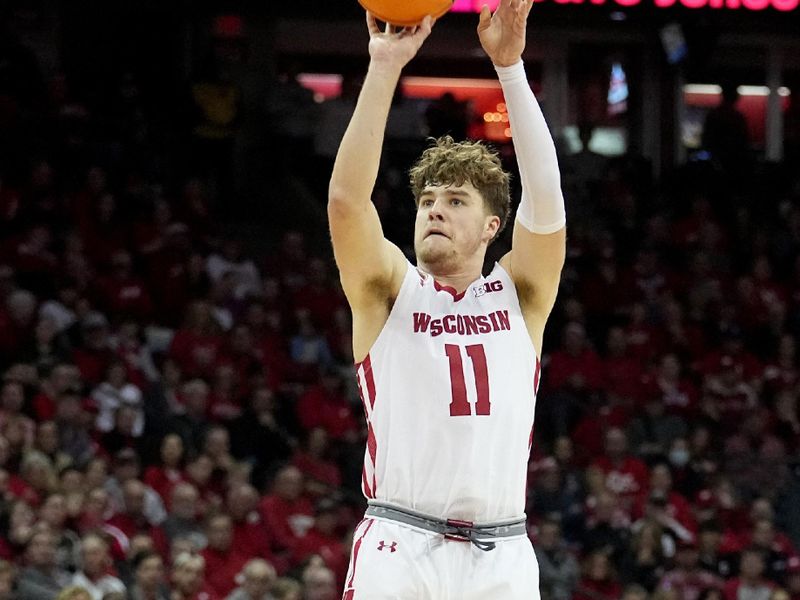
447 162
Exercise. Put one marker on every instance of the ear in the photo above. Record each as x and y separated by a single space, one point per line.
490 227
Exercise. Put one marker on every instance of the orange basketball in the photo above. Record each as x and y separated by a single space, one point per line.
406 13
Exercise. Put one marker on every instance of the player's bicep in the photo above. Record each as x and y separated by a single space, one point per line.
535 263
366 260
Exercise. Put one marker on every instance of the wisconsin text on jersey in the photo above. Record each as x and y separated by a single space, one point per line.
462 324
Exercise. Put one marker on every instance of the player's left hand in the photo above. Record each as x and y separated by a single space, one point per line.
502 34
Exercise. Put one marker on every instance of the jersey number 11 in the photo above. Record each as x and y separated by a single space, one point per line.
459 406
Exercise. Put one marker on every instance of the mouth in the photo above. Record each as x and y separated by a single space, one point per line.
435 233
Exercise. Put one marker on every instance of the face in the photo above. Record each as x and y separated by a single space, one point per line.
451 225
133 495
184 501
289 483
13 396
258 581
320 585
548 535
54 510
220 533
150 572
172 449
95 556
47 437
42 549
188 578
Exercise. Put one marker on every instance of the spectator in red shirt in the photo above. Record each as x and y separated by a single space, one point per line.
644 339
323 474
131 348
199 470
687 579
123 293
683 337
625 475
250 533
573 378
289 262
132 519
727 397
324 540
227 393
52 384
325 405
197 344
731 352
590 431
224 561
750 582
162 477
598 580
672 387
575 366
244 357
622 370
287 512
677 516
95 354
319 296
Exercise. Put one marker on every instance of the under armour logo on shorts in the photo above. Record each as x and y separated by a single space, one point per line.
392 547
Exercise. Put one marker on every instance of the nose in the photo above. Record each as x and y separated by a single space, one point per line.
435 212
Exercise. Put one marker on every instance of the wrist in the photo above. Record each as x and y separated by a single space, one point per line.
386 69
511 72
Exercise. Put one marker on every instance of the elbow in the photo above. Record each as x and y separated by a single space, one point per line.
336 193
340 204
337 201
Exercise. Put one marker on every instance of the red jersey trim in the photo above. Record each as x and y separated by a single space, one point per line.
450 290
350 590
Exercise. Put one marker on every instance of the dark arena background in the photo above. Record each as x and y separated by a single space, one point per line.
179 413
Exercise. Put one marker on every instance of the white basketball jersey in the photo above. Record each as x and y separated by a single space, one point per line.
449 390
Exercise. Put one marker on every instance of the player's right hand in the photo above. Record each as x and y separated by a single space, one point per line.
396 46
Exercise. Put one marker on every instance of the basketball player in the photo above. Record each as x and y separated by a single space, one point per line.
448 359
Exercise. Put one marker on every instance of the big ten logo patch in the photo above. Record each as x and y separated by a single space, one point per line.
390 547
487 287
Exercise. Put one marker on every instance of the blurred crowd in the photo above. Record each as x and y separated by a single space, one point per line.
179 416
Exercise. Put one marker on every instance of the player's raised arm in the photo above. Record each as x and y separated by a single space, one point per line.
366 261
539 237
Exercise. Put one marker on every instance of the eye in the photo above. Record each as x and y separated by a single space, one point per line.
426 203
456 202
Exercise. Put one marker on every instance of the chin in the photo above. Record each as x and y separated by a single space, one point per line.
434 256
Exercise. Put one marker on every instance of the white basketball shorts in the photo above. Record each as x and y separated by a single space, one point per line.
393 561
